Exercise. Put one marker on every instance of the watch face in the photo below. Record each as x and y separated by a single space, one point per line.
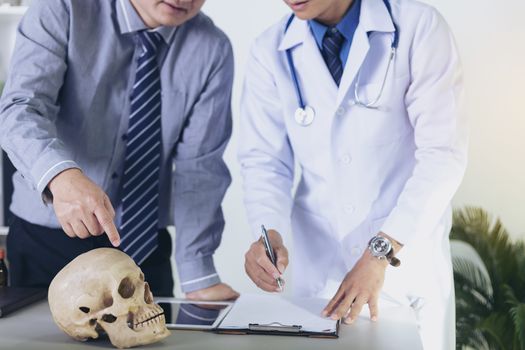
380 246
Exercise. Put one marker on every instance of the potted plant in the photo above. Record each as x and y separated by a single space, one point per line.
489 274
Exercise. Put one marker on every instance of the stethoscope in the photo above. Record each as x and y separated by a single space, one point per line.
305 114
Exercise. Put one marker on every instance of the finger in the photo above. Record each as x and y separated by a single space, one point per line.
106 221
263 261
373 306
256 270
334 302
91 223
68 229
251 262
282 258
355 310
344 305
109 206
80 229
233 295
259 282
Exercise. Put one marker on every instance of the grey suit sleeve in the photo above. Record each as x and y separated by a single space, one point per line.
201 177
29 106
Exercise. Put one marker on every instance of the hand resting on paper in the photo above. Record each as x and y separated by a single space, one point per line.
362 285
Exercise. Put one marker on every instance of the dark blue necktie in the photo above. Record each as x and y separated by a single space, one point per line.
332 43
141 167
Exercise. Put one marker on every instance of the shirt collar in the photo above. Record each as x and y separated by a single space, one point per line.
373 17
346 26
130 22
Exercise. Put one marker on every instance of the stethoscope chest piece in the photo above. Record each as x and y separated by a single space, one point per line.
304 116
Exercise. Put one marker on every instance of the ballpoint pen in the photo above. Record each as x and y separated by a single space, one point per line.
270 253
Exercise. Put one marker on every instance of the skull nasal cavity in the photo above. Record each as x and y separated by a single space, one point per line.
126 288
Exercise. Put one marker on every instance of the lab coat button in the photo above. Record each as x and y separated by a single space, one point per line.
346 159
349 209
340 111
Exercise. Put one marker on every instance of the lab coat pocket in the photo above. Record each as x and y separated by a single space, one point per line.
317 253
388 121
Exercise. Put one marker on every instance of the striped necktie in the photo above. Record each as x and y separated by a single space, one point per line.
141 167
332 44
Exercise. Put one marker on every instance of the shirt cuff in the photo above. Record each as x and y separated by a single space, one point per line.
44 176
198 274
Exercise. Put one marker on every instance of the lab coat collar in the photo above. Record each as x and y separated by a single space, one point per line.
295 34
130 22
374 18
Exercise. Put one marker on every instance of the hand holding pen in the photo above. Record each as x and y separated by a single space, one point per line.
264 271
270 254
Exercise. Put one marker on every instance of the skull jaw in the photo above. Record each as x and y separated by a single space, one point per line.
121 336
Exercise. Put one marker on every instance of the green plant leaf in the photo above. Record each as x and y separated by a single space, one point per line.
488 286
467 263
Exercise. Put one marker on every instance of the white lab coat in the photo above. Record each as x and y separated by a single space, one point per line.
392 169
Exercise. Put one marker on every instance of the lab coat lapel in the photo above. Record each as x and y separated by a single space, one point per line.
374 17
315 66
356 57
309 63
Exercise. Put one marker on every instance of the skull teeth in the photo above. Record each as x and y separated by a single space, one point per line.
150 318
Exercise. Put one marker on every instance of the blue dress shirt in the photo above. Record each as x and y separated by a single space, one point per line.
346 26
66 105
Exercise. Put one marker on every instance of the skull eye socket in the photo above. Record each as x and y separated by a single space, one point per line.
126 289
109 318
84 309
148 297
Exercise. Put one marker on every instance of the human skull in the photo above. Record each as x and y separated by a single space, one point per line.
103 290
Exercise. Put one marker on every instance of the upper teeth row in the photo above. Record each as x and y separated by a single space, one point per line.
155 315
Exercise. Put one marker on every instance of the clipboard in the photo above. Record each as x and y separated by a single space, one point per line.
290 317
283 330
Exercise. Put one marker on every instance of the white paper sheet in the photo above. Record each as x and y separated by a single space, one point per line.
268 309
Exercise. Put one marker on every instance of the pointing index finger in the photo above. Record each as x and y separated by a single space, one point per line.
106 221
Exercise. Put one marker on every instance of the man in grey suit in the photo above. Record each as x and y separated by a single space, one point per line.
116 115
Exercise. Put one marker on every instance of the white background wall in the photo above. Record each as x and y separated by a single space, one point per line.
491 39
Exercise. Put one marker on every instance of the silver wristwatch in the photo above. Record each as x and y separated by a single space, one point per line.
382 248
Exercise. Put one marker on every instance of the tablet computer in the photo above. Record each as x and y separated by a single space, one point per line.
193 315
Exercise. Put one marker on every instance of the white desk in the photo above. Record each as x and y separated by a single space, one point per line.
33 328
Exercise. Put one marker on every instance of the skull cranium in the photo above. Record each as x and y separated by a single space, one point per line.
104 290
